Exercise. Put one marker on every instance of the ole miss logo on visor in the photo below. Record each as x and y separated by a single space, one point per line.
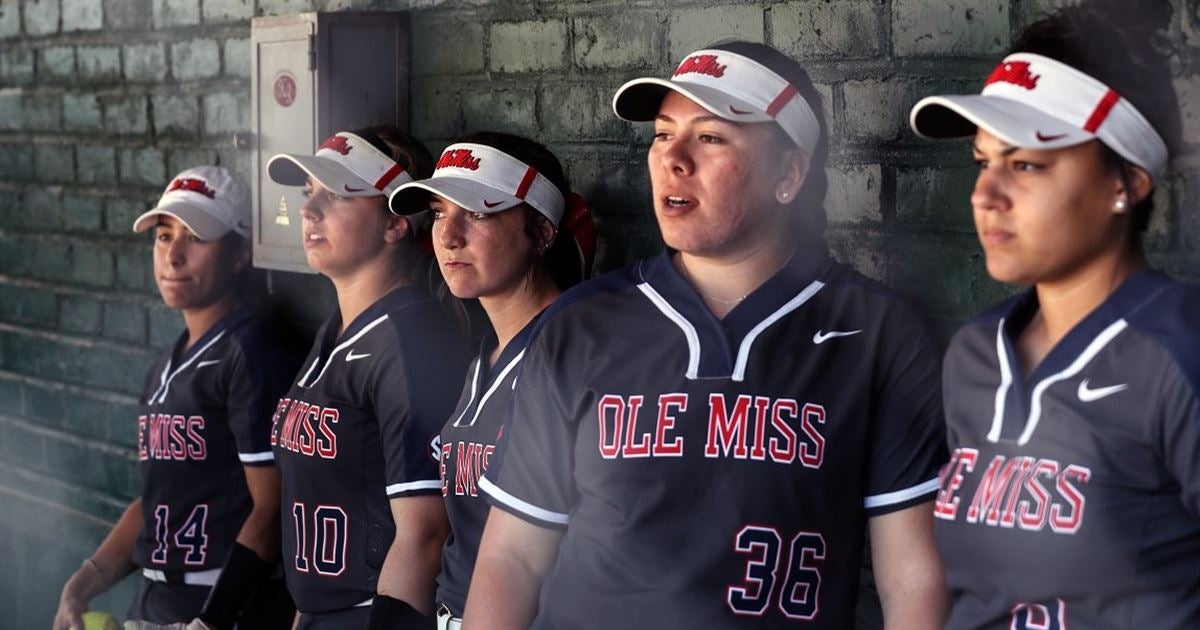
701 64
1014 72
336 143
192 184
458 158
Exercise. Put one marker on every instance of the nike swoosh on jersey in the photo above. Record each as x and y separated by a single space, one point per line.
1087 394
821 337
210 362
350 356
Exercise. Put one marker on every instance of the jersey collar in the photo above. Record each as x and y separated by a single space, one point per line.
1128 298
228 321
721 342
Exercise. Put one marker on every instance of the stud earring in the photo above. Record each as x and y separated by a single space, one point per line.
1120 205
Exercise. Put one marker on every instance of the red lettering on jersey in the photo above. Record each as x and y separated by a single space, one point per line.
143 455
814 456
196 448
729 429
464 474
701 64
1063 523
327 443
458 158
614 406
1014 72
666 422
991 490
786 453
178 443
762 409
946 506
1035 520
631 448
308 435
1008 517
446 450
280 412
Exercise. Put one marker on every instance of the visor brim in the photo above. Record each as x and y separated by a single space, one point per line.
290 169
639 101
471 194
1013 122
199 221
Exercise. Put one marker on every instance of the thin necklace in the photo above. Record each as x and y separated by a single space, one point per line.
688 275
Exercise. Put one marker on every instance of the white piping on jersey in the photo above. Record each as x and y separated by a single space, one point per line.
900 496
1094 348
743 356
474 388
161 394
342 346
397 488
250 458
491 390
1006 379
689 331
521 506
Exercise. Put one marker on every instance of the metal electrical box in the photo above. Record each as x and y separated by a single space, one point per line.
312 75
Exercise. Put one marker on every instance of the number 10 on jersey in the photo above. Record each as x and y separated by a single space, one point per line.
798 595
324 549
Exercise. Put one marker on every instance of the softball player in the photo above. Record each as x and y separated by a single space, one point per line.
1072 498
698 440
498 202
364 523
205 531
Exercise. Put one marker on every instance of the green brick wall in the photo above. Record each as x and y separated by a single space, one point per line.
102 100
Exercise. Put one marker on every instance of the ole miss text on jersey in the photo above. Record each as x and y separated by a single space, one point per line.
718 473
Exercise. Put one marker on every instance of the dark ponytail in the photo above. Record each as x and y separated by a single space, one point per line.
1123 44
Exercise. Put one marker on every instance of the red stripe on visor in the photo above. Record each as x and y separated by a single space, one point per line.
389 176
1101 112
784 98
526 182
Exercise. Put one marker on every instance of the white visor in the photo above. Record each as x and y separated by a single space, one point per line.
209 200
481 179
345 164
732 86
1034 102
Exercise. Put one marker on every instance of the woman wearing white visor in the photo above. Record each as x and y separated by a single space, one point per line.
363 520
700 440
204 533
506 231
1073 494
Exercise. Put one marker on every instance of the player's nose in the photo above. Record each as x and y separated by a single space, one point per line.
448 231
988 193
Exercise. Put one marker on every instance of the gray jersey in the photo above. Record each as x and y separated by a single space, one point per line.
1072 498
717 473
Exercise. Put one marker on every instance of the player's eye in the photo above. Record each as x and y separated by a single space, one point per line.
711 138
192 238
1026 167
478 216
162 236
660 136
437 213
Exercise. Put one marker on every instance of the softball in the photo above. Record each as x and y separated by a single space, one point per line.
95 620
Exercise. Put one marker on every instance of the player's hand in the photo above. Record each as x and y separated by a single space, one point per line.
194 624
70 612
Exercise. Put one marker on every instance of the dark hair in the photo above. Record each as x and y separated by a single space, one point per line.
809 204
1123 44
561 259
416 261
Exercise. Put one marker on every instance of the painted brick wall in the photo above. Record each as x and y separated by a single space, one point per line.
102 100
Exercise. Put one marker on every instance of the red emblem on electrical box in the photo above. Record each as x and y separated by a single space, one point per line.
285 89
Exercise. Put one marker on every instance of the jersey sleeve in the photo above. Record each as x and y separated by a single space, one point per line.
531 475
259 375
413 390
1178 435
907 441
